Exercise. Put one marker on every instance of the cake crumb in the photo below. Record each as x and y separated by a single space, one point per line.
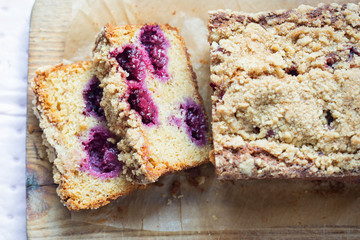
201 180
31 129
175 188
194 177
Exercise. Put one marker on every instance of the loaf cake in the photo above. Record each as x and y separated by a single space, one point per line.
80 146
151 100
286 93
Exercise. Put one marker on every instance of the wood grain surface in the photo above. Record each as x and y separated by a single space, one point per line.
47 218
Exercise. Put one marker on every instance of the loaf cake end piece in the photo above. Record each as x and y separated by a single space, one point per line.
286 94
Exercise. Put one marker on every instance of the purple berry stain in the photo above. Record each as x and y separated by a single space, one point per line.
195 122
102 158
353 51
332 59
175 121
156 45
140 100
132 60
92 96
270 133
213 86
329 119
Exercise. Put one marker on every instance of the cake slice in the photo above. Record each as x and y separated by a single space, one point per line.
151 100
286 94
80 146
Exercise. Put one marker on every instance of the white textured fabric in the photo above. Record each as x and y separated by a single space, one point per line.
14 38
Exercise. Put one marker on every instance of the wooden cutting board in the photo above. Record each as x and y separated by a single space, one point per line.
47 218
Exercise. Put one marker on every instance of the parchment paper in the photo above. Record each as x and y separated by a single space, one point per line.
194 200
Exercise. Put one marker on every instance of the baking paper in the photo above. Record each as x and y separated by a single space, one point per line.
194 200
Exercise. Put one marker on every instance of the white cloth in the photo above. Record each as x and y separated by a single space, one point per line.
14 39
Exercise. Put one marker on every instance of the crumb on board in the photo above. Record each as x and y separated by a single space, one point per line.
201 180
175 188
31 129
194 177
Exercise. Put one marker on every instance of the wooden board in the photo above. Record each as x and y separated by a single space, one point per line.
47 218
